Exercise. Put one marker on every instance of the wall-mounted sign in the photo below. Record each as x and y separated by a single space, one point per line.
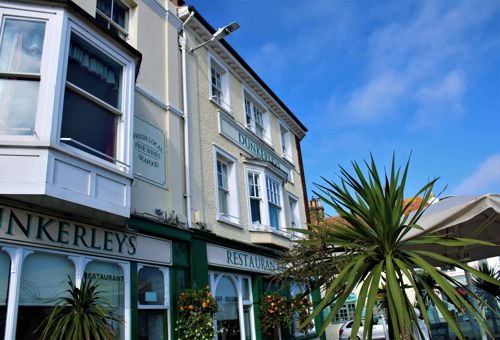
149 152
248 142
23 227
232 258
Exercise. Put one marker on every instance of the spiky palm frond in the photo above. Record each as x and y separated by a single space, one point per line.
82 315
377 222
486 286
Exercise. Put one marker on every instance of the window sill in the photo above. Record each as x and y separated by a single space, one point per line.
226 108
230 221
82 156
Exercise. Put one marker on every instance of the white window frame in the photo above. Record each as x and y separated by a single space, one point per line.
250 102
224 102
17 256
258 186
123 30
264 202
53 68
48 69
233 215
237 279
123 143
166 283
286 142
293 211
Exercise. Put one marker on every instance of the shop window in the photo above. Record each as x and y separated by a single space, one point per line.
233 321
20 63
111 283
219 85
4 286
152 303
227 188
297 290
345 313
92 100
257 118
112 15
44 279
228 321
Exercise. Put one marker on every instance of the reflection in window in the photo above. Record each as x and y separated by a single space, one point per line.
92 100
112 15
111 284
228 324
151 294
4 286
44 279
20 59
151 286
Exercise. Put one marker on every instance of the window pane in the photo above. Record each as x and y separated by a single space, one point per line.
223 202
255 209
44 278
94 72
111 283
152 325
88 124
4 286
246 288
105 6
120 14
274 216
151 286
22 44
18 101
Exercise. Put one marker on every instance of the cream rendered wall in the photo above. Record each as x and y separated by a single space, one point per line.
205 135
157 39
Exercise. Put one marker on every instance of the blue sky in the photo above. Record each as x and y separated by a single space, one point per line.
381 76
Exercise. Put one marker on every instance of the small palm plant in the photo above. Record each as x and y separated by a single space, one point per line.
82 315
370 235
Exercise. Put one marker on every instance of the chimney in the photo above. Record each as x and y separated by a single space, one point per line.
316 211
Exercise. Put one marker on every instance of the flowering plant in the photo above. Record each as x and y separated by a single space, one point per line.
302 306
196 314
275 312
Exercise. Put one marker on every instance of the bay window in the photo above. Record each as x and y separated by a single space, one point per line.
226 187
265 207
254 193
20 73
92 100
274 202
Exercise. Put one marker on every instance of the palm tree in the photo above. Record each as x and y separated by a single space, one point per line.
372 238
489 292
82 315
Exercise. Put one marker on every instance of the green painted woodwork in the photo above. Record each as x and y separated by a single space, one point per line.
199 263
134 319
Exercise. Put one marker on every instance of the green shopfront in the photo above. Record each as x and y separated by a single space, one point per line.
39 252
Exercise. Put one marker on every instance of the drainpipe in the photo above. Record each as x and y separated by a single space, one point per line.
183 39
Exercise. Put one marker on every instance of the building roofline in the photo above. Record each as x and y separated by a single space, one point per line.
247 67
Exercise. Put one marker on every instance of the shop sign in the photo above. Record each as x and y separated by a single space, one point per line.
34 229
252 145
149 152
232 258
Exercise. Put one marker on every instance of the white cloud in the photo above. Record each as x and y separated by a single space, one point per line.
441 101
418 65
486 176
